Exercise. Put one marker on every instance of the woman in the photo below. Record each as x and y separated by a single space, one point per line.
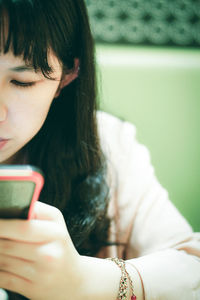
101 198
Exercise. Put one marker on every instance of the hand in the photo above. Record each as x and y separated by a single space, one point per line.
37 257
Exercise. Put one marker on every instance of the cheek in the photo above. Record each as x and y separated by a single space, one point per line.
28 116
28 110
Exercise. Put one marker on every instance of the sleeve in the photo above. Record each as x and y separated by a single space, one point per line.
161 245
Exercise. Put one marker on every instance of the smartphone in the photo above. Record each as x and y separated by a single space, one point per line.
20 187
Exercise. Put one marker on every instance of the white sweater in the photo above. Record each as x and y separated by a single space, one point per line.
159 243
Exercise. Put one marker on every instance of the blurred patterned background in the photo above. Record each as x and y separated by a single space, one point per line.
146 22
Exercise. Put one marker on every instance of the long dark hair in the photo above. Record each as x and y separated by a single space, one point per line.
67 147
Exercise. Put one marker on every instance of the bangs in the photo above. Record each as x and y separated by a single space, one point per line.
27 30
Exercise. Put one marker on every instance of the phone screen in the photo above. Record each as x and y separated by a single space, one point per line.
15 198
20 187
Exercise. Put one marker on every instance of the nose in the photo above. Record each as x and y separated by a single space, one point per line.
3 112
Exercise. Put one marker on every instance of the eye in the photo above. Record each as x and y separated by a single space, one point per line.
22 84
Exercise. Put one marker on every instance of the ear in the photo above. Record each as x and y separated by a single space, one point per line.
68 78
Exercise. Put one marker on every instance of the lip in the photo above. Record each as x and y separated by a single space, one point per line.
3 142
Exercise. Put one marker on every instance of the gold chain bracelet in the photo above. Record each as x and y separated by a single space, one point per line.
125 277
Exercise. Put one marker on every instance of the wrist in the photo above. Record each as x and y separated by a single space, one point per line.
101 279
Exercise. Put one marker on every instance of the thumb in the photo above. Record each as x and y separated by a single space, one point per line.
43 211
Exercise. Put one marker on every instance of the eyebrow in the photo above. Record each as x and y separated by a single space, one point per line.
22 68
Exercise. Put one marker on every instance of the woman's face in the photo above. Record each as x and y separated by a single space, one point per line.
25 99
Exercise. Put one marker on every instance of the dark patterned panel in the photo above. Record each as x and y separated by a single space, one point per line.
155 22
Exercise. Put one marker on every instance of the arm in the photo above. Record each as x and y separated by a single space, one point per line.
161 245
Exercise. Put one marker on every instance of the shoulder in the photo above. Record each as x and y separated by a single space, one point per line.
129 162
129 170
119 141
114 133
108 123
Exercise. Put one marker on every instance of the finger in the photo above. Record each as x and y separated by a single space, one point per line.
13 283
27 251
34 231
43 211
35 253
19 267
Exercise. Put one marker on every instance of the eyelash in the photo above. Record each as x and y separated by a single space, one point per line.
22 84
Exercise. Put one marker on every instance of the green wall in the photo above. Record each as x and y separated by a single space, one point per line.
158 90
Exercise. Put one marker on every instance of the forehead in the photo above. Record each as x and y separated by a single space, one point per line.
10 61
